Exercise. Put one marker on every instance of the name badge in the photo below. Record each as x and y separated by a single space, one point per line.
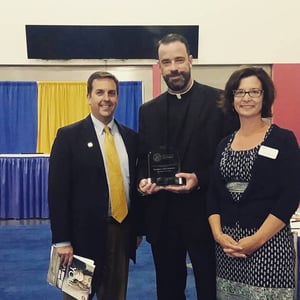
268 152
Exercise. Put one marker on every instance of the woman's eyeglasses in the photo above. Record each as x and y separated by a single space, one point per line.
253 93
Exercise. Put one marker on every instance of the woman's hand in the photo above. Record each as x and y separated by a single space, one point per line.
231 247
250 244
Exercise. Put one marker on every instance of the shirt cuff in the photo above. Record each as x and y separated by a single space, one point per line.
62 244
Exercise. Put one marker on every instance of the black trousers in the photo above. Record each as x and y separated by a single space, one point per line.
170 254
113 282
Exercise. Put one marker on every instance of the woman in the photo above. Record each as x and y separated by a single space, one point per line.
254 192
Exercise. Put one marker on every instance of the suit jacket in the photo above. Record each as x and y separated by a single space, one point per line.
274 186
203 129
78 190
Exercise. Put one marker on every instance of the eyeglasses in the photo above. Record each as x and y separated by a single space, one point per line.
253 93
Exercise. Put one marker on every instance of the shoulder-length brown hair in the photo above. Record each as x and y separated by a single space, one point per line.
233 83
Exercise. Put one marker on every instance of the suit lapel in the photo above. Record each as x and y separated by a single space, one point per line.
90 139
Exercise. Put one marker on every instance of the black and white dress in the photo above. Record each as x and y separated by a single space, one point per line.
269 272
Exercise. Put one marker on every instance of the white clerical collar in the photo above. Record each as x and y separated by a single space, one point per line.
178 95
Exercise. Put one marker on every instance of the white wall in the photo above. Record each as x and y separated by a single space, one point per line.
231 31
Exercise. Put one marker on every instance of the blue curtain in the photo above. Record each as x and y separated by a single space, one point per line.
130 99
23 187
18 113
18 117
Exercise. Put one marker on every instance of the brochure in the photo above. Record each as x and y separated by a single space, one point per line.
75 279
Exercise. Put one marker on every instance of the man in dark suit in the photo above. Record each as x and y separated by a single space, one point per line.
80 190
184 120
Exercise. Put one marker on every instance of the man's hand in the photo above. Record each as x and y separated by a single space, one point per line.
148 188
66 254
191 183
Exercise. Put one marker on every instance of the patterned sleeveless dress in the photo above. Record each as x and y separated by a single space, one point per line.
269 272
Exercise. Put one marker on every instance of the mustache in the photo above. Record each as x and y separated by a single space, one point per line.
174 74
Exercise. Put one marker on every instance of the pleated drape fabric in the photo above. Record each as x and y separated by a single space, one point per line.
59 104
31 112
18 117
130 99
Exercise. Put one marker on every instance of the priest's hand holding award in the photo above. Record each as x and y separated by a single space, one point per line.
190 183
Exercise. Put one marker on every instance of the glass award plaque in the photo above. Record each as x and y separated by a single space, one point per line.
162 167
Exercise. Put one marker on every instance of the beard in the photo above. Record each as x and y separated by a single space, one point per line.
181 81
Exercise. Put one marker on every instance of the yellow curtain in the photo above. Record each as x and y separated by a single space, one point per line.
59 104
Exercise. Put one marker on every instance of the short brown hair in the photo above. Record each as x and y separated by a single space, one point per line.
100 75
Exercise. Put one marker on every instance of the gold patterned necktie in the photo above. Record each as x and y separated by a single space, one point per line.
119 209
